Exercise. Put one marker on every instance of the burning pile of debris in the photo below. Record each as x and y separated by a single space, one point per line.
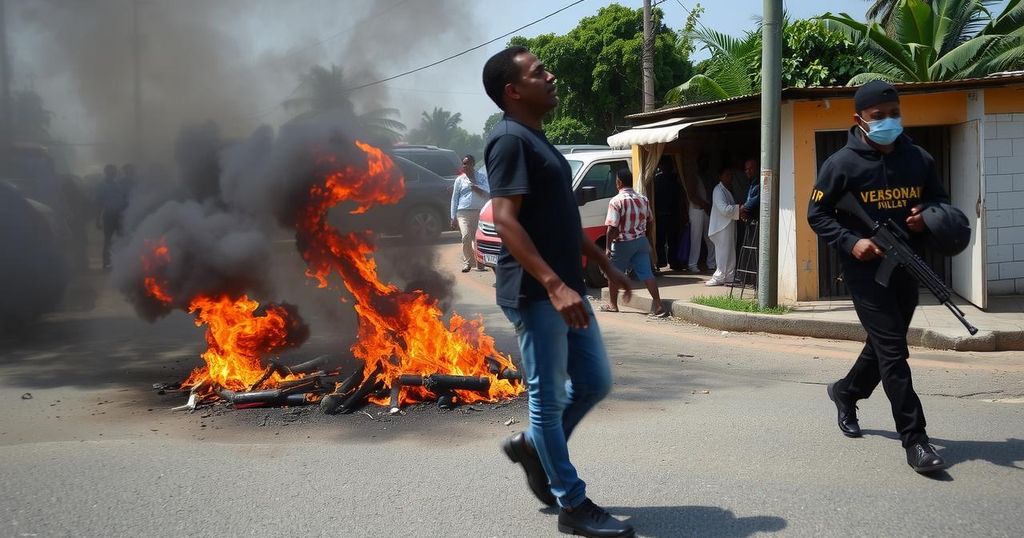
408 353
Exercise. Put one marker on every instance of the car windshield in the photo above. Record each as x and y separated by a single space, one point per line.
575 165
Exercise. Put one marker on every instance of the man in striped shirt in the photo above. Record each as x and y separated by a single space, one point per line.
629 214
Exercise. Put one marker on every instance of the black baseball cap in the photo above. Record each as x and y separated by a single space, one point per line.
874 93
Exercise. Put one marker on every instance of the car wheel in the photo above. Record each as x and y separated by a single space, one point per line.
422 224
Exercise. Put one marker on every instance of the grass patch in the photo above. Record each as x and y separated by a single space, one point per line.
738 305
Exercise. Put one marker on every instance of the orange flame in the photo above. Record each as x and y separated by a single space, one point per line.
236 336
401 332
236 339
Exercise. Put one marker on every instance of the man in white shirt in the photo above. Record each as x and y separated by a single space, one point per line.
469 194
722 229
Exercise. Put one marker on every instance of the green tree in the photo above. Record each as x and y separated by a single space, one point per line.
812 55
938 40
30 120
598 67
491 121
324 91
567 130
438 128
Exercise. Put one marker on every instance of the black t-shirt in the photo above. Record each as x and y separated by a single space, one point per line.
521 161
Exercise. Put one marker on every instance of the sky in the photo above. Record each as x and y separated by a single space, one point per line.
265 44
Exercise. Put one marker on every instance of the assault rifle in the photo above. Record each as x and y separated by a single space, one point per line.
895 244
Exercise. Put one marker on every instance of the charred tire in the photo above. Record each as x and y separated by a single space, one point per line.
593 277
422 224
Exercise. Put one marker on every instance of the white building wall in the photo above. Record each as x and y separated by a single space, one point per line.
1004 202
787 210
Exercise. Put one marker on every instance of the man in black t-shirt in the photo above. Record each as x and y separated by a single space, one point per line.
540 288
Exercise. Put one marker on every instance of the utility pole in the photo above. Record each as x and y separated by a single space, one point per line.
139 145
6 112
771 101
648 58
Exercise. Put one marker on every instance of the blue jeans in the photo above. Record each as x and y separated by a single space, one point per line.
567 373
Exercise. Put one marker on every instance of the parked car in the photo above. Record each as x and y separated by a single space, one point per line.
443 162
35 239
594 169
420 216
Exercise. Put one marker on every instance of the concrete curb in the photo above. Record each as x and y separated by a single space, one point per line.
795 324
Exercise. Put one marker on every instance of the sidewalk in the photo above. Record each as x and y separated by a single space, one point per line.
1001 328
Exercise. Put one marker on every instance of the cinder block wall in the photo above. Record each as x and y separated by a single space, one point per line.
1004 202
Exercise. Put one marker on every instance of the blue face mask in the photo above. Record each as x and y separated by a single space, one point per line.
884 131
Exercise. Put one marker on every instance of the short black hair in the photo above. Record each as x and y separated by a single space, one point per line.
501 69
625 176
469 156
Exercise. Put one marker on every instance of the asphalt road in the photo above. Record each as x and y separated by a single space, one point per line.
705 434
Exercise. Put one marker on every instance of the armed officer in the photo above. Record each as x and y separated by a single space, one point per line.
891 178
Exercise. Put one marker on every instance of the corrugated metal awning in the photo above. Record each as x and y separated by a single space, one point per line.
662 132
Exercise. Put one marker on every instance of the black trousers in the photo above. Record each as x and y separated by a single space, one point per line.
669 230
885 314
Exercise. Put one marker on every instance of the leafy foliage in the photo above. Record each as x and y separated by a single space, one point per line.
566 130
938 40
812 55
30 120
491 121
323 91
599 70
442 128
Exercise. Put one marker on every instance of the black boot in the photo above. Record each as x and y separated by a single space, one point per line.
589 519
847 413
519 450
922 457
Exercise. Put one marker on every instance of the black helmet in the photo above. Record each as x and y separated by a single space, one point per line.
949 231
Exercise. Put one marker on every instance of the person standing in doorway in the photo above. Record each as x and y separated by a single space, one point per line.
753 200
539 281
469 194
891 178
722 229
629 216
668 197
699 212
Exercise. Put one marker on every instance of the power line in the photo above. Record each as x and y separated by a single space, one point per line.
263 113
467 51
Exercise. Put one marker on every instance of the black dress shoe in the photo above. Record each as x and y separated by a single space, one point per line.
847 413
589 519
922 457
519 450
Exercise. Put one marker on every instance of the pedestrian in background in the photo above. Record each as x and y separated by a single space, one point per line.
469 194
629 216
668 219
539 281
111 201
699 213
722 229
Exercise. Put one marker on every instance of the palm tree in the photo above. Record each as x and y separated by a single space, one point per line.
726 73
323 91
440 128
30 119
881 10
938 40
